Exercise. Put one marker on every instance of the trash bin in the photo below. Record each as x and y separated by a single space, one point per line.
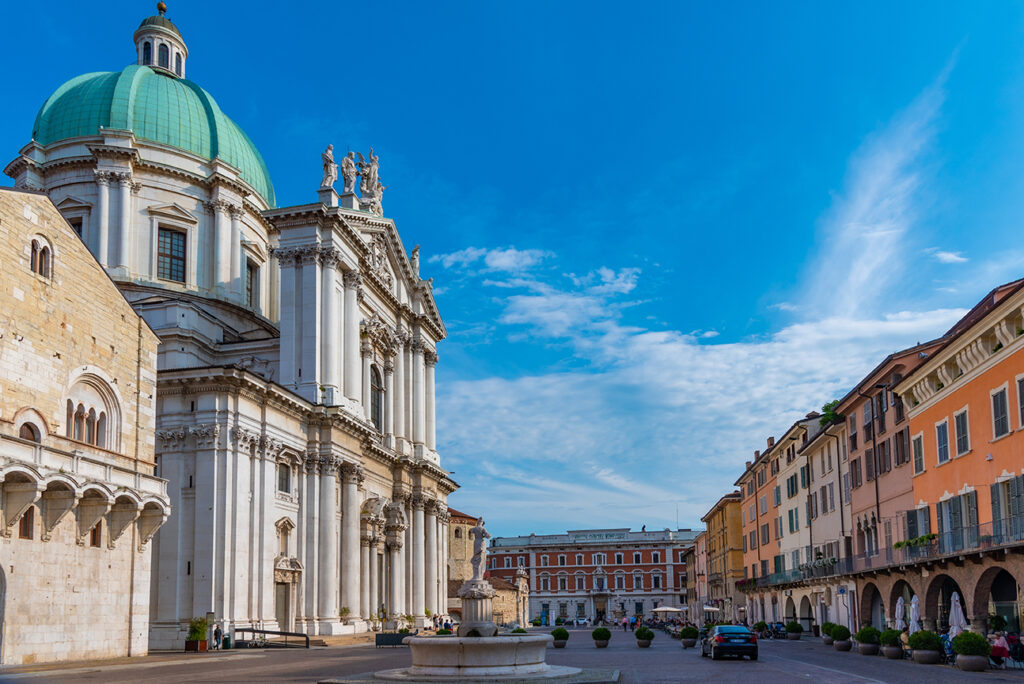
226 642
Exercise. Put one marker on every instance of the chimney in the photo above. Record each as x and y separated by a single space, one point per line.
748 465
771 441
757 454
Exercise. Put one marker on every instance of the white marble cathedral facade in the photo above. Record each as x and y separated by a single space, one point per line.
295 392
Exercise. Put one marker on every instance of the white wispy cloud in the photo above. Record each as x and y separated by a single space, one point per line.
944 257
508 259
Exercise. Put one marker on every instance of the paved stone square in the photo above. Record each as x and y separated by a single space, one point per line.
666 661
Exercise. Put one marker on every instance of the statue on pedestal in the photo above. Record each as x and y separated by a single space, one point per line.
330 168
349 173
480 537
414 260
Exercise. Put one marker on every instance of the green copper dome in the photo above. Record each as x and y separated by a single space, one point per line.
156 107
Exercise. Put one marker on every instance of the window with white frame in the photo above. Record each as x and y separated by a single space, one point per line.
545 583
563 583
579 559
620 581
656 557
636 557
543 561
963 438
618 559
655 581
1000 414
638 580
942 441
284 478
522 561
917 446
561 560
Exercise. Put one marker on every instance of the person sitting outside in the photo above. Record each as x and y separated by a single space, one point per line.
1000 650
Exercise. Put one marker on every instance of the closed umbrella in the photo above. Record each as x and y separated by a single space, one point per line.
915 615
957 621
898 622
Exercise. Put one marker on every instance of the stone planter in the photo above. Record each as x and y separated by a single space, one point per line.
192 646
842 645
560 643
972 663
827 640
689 643
927 657
793 636
892 652
601 643
867 649
643 643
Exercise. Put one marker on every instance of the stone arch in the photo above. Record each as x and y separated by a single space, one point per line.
870 600
90 387
790 612
902 588
937 600
998 586
33 417
806 617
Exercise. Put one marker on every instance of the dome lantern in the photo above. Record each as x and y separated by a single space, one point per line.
159 44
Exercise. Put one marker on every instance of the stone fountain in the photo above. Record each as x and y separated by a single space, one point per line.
478 653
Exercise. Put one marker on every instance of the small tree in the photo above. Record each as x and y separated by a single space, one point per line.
890 637
840 633
868 635
197 628
601 634
829 415
925 641
971 644
794 627
343 612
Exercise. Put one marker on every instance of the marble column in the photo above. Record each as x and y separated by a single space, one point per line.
418 558
353 383
311 530
124 181
221 246
396 602
327 590
430 541
407 556
418 418
366 352
102 227
365 610
399 394
430 358
328 332
389 403
443 562
374 579
352 476
235 213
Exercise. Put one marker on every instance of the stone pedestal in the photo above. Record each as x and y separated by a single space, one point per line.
477 612
348 201
328 197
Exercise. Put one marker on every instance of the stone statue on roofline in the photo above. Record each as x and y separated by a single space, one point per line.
330 168
349 172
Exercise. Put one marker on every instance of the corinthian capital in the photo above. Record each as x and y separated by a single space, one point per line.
352 279
103 177
430 357
352 472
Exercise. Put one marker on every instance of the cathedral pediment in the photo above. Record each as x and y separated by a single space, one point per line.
172 211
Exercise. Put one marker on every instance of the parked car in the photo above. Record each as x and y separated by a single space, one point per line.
722 640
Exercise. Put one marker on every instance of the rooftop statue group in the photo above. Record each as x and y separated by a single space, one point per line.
371 190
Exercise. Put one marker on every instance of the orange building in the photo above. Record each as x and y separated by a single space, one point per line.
762 529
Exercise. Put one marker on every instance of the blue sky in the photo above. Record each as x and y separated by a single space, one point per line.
659 232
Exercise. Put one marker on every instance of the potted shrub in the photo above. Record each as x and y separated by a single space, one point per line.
841 638
760 626
927 647
195 642
972 651
448 632
601 635
793 630
891 646
867 640
826 633
644 636
561 635
688 635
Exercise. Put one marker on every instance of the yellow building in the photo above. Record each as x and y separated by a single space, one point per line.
725 557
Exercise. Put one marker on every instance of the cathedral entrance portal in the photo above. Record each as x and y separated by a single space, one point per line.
282 606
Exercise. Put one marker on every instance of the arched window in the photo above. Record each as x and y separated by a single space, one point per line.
30 432
458 533
92 413
177 63
40 258
376 399
147 53
79 431
164 57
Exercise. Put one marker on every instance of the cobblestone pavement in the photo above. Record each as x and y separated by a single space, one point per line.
664 662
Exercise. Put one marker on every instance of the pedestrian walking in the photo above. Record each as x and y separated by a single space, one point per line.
218 634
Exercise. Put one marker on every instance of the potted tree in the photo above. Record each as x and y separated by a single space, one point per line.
927 647
561 635
644 636
867 640
826 633
793 630
601 635
972 650
841 638
891 647
195 642
688 635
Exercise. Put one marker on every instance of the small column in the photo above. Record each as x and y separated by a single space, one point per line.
430 540
102 226
366 352
399 394
418 559
352 476
430 358
328 342
374 588
236 251
365 607
221 246
353 383
124 181
327 589
389 403
418 418
396 602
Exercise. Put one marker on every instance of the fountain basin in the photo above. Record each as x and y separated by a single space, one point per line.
454 658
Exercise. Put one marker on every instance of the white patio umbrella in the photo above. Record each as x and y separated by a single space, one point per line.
666 609
712 609
898 622
915 615
957 621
